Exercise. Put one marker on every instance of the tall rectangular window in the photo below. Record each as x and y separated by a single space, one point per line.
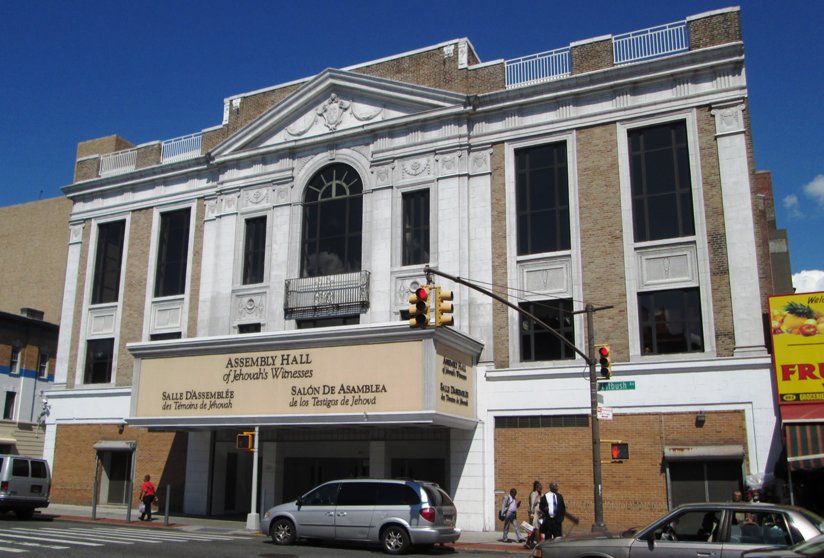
254 250
172 253
415 227
661 182
108 261
14 360
670 321
539 344
8 408
542 199
43 365
99 358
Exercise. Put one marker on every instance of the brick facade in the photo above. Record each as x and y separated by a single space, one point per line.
716 28
161 455
36 233
635 491
590 56
500 313
601 234
716 234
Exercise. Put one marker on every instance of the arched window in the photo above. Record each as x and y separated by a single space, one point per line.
332 222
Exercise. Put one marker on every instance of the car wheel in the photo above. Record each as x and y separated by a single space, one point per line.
283 531
395 540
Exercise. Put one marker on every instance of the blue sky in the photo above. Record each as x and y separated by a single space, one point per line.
155 70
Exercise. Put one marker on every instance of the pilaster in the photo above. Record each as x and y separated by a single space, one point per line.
740 227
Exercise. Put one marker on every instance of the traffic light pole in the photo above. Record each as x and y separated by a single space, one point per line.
598 493
589 358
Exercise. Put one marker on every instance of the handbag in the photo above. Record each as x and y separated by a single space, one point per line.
142 508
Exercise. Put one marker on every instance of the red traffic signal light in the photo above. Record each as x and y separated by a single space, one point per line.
605 361
619 451
419 311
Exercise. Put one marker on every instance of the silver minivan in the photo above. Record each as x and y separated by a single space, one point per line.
395 513
24 484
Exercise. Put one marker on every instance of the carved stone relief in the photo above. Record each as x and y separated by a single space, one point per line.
383 175
416 168
729 119
249 307
331 114
479 162
75 234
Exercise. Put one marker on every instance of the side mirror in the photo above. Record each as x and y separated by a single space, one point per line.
299 502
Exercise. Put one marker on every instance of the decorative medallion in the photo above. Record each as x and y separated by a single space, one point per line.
332 111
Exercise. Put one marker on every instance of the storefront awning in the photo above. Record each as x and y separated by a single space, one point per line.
7 441
805 445
730 451
114 445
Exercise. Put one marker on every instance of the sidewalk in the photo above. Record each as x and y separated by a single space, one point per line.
476 540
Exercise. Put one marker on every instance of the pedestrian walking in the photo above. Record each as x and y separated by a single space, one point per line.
509 512
147 497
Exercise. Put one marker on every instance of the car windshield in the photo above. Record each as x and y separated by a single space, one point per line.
814 520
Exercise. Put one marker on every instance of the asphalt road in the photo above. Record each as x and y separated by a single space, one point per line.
48 537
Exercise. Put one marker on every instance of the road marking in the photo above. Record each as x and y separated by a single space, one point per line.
33 544
54 531
50 539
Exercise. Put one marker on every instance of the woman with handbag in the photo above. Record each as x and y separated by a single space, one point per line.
147 497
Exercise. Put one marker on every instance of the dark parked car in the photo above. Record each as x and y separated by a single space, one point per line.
719 530
394 513
813 548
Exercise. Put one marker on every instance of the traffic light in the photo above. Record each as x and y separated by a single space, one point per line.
245 441
419 311
605 361
443 308
619 451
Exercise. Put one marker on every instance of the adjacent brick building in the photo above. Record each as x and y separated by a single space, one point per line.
254 277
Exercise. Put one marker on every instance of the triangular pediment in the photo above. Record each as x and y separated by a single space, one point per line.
333 102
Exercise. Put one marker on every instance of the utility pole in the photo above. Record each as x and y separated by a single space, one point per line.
598 493
589 357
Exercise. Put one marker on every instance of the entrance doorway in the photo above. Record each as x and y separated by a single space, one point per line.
115 477
703 481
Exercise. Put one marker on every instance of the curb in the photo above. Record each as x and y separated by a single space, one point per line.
512 548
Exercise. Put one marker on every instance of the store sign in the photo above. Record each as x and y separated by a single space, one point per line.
797 325
372 378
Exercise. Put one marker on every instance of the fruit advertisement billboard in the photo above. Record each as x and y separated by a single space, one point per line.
797 326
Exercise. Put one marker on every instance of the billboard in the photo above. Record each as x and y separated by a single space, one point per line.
797 326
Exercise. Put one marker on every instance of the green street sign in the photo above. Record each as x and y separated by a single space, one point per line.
616 386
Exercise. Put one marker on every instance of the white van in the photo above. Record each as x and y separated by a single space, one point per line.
24 484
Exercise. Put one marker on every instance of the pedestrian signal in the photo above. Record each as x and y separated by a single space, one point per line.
245 441
619 451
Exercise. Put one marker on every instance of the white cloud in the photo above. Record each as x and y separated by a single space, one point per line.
815 189
791 204
809 281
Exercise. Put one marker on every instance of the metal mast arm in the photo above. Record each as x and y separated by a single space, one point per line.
429 271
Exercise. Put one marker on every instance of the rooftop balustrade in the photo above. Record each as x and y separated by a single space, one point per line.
627 48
